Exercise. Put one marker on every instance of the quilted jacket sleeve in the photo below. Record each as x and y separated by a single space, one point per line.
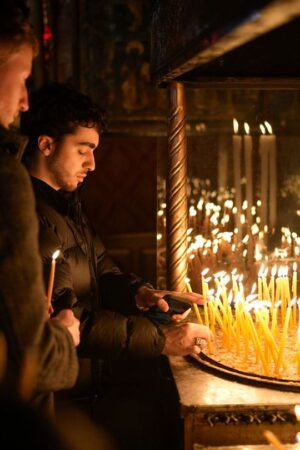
113 336
114 328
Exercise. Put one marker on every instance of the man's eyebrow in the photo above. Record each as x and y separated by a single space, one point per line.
87 144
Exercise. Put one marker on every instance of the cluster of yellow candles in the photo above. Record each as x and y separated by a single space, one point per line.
263 323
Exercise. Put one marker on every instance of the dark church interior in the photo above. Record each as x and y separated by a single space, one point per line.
196 192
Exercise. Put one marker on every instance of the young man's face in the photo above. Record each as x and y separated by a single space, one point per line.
13 91
72 158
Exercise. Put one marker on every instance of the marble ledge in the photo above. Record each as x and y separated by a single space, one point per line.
204 391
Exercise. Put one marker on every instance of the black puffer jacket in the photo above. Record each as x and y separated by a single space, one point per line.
23 316
87 280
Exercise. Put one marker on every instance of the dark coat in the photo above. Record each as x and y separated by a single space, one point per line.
87 280
23 316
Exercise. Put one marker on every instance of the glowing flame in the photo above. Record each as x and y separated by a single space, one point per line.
261 270
268 127
297 412
55 254
235 126
246 128
262 129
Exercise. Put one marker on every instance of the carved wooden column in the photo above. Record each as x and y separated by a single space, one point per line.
177 191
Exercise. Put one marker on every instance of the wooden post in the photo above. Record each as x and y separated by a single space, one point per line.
177 210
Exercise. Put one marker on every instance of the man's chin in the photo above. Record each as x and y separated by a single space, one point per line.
15 123
70 188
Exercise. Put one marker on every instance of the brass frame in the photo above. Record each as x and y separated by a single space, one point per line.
177 208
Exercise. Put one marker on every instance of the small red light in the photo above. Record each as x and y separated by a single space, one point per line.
47 34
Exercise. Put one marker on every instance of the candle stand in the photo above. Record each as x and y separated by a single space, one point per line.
231 230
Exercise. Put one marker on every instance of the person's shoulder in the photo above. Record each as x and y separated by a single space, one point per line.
12 143
12 171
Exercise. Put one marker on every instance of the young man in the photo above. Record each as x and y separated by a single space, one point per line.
48 346
63 127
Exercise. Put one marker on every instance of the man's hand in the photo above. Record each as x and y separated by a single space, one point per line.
184 338
67 318
146 297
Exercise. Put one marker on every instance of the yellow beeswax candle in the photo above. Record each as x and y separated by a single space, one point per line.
241 286
294 280
272 284
259 284
198 315
256 343
271 344
273 440
219 318
245 333
279 361
203 273
212 318
235 288
287 286
294 312
274 328
278 289
51 278
206 321
195 306
265 288
298 363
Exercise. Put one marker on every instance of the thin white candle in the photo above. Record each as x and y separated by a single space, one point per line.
264 174
237 145
271 138
248 171
222 163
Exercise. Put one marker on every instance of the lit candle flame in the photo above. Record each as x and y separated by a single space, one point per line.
273 271
262 129
246 128
297 412
55 254
235 126
268 127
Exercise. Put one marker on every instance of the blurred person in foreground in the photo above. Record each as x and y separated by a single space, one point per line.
32 340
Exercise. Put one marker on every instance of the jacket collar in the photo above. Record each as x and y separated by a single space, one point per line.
66 203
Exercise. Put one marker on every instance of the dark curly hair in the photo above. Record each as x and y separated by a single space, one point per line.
56 110
15 29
